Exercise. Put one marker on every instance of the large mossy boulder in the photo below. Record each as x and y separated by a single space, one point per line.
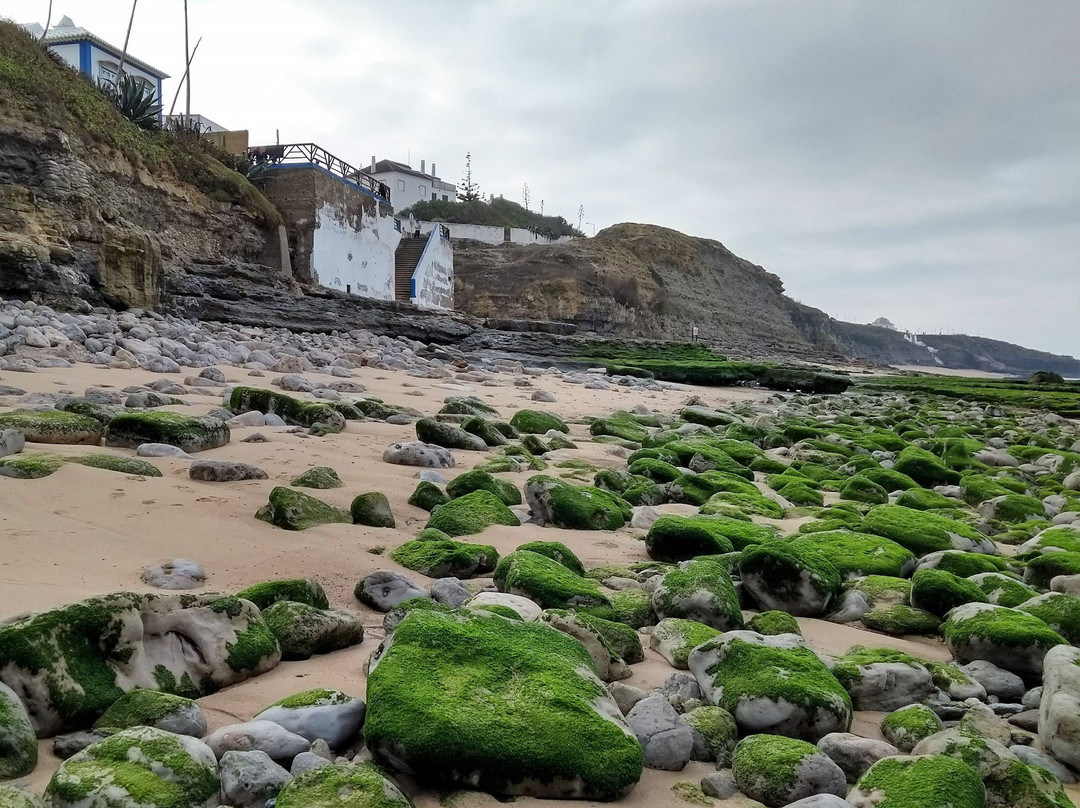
303 631
792 577
938 591
70 664
470 514
547 582
18 743
141 766
479 480
923 532
352 785
446 558
575 507
295 510
700 590
53 426
448 436
188 432
883 679
500 705
290 410
921 780
856 555
925 468
536 422
1008 638
152 708
779 771
679 538
298 590
775 685
1059 611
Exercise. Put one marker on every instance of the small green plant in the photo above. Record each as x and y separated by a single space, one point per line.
133 99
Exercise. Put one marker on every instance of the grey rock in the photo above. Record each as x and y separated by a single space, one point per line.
542 395
431 477
1059 712
147 400
1027 720
180 573
820 801
998 682
382 590
720 785
416 453
680 687
273 419
626 696
337 724
854 755
214 374
306 761
224 471
1033 698
255 437
662 732
1033 757
264 736
65 746
449 592
160 450
11 442
888 686
251 418
249 779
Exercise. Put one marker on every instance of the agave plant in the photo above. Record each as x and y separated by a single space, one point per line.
134 100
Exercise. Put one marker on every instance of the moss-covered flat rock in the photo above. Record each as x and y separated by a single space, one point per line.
18 743
446 558
856 555
71 664
35 465
1009 638
537 422
917 782
188 432
152 708
675 637
575 507
545 581
320 477
53 426
923 532
772 685
354 785
779 771
471 513
297 590
500 705
295 510
679 538
303 631
290 410
479 480
700 590
139 766
900 619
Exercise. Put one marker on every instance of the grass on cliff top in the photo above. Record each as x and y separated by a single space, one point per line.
1062 398
38 87
695 364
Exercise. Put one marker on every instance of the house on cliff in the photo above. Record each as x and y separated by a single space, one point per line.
342 232
96 58
409 186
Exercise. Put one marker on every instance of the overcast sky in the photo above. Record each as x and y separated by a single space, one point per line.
914 159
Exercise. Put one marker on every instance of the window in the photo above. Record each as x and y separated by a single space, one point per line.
401 185
434 197
445 198
108 71
423 190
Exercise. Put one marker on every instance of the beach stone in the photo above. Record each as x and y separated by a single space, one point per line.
883 680
436 686
320 477
351 785
448 436
416 453
573 507
265 736
180 573
18 744
528 610
372 510
295 510
778 771
14 797
1008 638
190 433
160 450
147 399
820 801
674 638
382 590
544 580
853 754
303 630
1059 712
1003 684
720 785
141 766
665 737
224 471
920 780
306 761
329 715
789 578
64 746
101 647
151 708
249 779
53 426
255 437
449 592
252 418
12 442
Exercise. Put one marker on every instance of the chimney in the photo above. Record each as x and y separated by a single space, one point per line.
435 175
373 162
422 166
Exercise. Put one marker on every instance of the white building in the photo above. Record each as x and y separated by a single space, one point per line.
408 186
95 57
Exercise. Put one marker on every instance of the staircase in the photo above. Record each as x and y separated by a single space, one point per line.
406 258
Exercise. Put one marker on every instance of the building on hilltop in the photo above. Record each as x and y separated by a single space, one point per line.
409 186
96 58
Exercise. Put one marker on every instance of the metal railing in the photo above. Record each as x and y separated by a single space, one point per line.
312 154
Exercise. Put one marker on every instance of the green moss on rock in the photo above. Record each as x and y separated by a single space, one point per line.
774 622
304 630
321 477
862 489
295 510
918 782
478 480
290 410
767 768
1059 611
428 496
556 551
447 558
190 433
471 513
372 510
1040 571
925 468
921 532
938 591
297 590
700 590
906 727
1003 590
139 708
678 538
1009 638
900 620
790 576
536 422
545 581
675 637
18 743
53 426
575 507
352 785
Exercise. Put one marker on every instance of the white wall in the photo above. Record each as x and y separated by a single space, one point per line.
488 234
355 257
97 56
69 53
402 199
433 280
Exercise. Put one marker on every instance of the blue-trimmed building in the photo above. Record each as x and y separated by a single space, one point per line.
96 58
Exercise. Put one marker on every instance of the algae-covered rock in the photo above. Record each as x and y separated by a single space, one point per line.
187 432
779 771
575 507
678 538
925 468
921 780
715 733
857 555
500 705
883 679
700 590
907 727
789 576
556 551
18 744
12 797
290 410
610 666
478 480
354 785
446 558
152 708
298 590
1009 638
901 619
295 510
488 432
53 426
304 630
35 465
318 714
71 664
923 532
141 766
963 564
428 496
471 513
938 591
536 422
321 477
546 582
1040 571
448 436
467 405
675 637
372 510
773 622
1059 611
771 684
863 489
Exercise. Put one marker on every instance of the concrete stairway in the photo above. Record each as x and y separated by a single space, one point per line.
406 258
